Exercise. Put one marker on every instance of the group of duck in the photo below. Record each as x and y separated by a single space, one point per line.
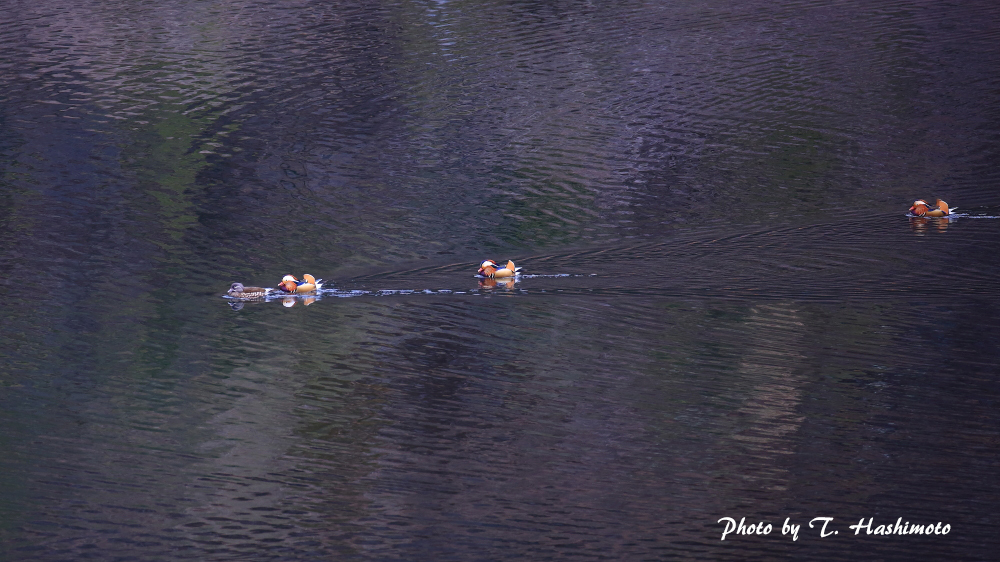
488 269
309 285
290 285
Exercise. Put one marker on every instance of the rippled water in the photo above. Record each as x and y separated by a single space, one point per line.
725 312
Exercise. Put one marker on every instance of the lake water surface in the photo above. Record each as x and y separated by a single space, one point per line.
726 312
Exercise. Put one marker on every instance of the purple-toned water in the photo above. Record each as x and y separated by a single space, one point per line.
726 312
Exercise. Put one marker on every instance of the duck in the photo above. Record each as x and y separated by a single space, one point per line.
289 284
490 269
921 208
240 291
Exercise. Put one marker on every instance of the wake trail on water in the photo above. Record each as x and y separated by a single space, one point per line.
353 293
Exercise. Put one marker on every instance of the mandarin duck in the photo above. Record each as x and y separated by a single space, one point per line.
920 208
239 291
289 284
490 269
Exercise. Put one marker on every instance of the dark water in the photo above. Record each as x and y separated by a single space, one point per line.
729 315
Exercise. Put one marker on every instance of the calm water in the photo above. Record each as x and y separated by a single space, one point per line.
728 314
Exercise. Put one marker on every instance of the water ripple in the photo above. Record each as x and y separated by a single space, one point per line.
724 312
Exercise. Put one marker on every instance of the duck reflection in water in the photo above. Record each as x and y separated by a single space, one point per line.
286 302
505 283
289 302
921 225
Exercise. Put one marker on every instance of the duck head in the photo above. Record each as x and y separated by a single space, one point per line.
235 289
288 283
919 208
487 268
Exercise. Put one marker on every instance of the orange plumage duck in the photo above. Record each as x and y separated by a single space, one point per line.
290 285
491 270
921 208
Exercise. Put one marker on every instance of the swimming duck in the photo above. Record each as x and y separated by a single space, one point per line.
239 291
920 208
289 284
490 269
